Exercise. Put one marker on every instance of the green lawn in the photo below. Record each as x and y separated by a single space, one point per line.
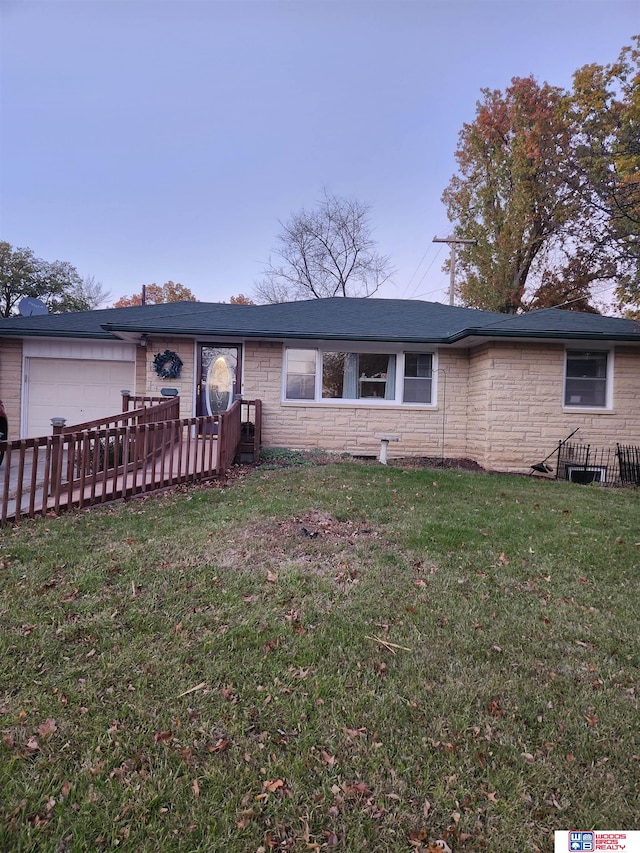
338 657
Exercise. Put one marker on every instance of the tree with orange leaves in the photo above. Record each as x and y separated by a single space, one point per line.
549 188
511 194
155 294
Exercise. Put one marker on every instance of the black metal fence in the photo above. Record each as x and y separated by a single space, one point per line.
583 463
629 463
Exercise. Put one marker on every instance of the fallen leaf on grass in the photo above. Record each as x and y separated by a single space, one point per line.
329 760
196 789
163 737
245 819
495 709
71 597
228 694
219 746
331 839
47 728
272 785
272 577
33 745
361 732
357 789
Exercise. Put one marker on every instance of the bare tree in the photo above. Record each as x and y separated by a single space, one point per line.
92 293
324 252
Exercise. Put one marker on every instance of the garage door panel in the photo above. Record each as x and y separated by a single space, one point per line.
78 390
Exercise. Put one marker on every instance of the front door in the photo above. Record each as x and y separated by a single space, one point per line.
219 378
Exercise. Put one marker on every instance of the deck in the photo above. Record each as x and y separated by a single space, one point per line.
83 466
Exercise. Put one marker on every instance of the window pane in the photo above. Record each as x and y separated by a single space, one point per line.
586 379
301 374
376 376
352 375
300 387
417 377
334 366
301 361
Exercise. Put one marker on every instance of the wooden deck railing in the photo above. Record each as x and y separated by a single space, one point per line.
129 454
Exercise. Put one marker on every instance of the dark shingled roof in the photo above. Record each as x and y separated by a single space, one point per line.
401 320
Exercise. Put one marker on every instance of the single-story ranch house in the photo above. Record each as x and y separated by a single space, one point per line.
339 373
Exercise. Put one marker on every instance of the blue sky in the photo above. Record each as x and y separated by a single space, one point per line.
148 140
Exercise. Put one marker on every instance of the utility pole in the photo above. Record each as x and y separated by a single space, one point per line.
453 242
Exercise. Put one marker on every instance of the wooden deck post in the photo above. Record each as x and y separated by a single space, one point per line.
56 451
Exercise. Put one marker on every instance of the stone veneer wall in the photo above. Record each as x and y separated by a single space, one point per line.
148 383
11 382
522 387
344 427
478 405
502 408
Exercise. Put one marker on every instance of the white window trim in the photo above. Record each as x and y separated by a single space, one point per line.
368 402
588 347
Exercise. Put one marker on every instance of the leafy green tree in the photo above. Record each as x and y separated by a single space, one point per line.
57 284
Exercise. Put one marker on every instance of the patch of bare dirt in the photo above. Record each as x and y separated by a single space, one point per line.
436 462
313 540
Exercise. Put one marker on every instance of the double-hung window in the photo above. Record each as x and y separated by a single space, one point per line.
324 374
418 374
587 378
301 374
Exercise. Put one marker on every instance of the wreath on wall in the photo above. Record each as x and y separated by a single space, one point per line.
167 364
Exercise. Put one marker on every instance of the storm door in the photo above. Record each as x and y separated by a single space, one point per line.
219 378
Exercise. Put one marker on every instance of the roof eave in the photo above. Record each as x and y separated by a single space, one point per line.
54 333
552 335
271 335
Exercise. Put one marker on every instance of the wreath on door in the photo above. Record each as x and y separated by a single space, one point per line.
167 364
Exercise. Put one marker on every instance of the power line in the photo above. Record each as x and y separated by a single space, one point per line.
425 274
408 284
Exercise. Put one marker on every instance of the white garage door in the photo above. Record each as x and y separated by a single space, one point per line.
78 390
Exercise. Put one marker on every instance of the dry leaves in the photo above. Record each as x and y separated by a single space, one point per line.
48 728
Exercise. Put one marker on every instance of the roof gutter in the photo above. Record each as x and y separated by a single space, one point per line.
271 335
532 334
37 333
